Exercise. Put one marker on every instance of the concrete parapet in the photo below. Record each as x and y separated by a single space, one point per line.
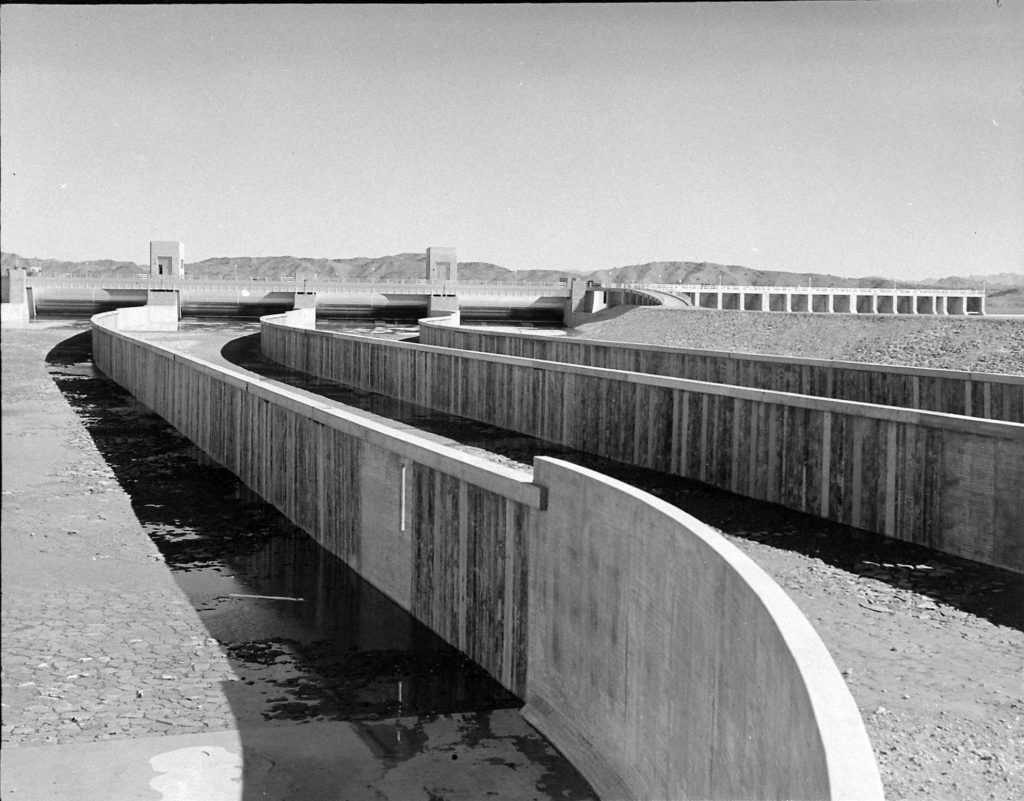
500 562
904 473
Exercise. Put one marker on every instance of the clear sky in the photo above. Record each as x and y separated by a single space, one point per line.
854 138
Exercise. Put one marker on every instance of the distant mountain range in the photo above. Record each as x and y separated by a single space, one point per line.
412 266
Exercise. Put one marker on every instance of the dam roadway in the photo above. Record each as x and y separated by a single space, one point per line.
907 626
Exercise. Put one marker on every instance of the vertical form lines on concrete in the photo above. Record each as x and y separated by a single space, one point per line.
826 465
734 466
890 479
462 636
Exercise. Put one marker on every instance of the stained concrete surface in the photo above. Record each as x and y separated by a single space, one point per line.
929 644
167 636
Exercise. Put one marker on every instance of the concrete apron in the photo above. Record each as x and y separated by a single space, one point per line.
282 762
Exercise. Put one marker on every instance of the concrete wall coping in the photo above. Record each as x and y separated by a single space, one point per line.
513 483
894 414
923 372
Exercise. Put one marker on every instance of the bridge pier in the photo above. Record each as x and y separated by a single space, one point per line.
443 306
18 308
575 304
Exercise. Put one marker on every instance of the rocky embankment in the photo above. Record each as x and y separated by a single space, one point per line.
949 343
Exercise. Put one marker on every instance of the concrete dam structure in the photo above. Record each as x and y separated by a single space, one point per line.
662 661
334 299
30 295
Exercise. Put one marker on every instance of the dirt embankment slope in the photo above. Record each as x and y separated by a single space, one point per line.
949 343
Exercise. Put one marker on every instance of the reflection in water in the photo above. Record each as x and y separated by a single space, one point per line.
307 637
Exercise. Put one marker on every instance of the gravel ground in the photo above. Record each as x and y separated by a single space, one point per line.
938 678
957 343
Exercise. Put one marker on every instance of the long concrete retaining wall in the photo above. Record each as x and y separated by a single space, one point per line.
658 657
948 482
987 395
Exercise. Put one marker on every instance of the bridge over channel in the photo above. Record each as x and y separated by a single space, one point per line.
28 295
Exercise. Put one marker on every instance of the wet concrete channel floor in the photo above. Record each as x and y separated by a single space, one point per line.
277 643
929 644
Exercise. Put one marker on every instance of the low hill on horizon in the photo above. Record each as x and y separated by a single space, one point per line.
411 267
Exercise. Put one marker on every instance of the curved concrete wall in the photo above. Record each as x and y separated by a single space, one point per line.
659 658
667 652
986 395
947 482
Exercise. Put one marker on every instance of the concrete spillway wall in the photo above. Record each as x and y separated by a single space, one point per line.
947 482
334 298
987 395
661 660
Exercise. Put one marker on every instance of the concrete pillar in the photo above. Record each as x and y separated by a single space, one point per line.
940 305
305 300
831 302
574 304
443 306
596 300
16 307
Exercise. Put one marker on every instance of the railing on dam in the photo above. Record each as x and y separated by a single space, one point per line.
198 284
662 661
947 482
812 299
991 396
